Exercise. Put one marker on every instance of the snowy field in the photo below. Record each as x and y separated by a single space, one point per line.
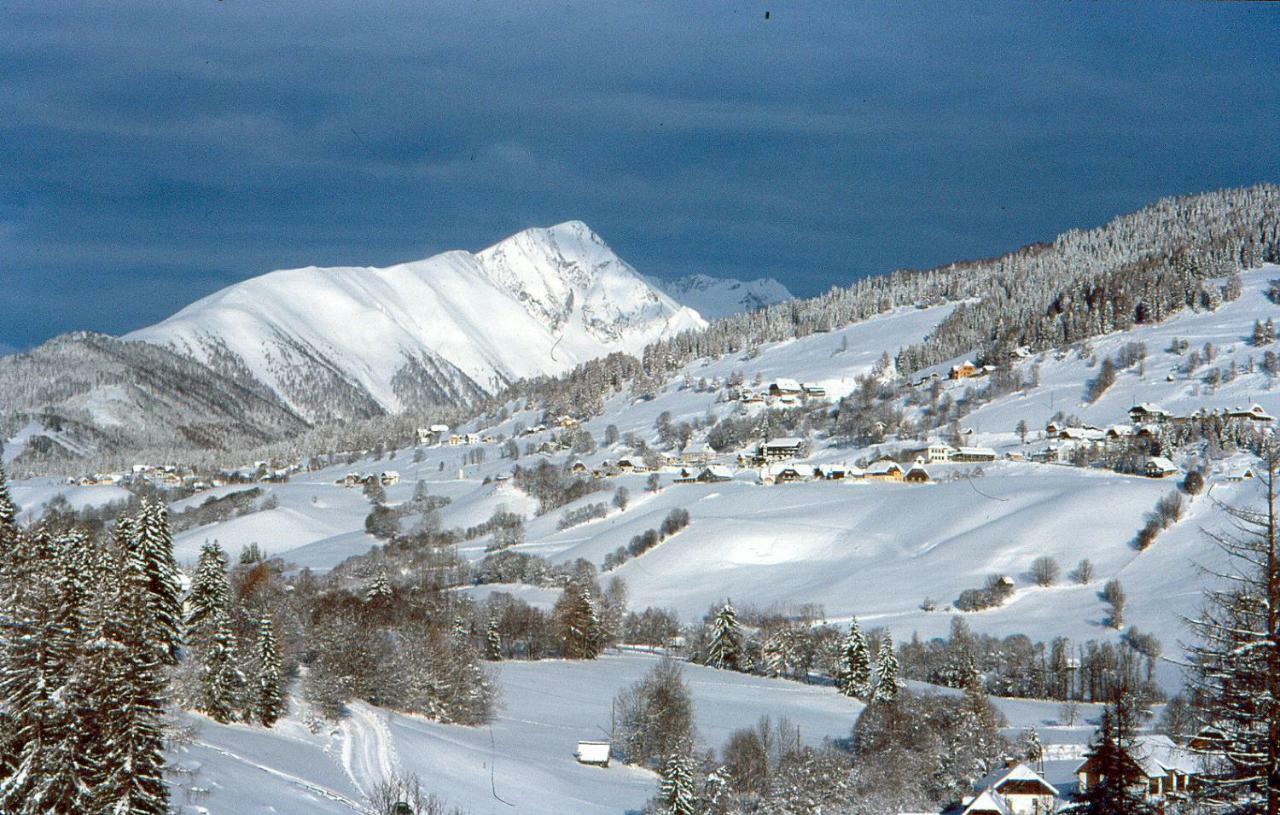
524 761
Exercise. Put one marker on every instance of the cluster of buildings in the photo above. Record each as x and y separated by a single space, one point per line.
177 476
387 478
1163 773
782 392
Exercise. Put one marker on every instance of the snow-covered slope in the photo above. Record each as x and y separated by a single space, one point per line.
716 297
351 341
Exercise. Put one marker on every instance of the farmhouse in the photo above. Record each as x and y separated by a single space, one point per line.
1165 768
628 464
785 387
813 391
715 473
838 472
885 469
964 370
1160 467
1255 414
1011 790
389 478
781 449
577 467
788 473
917 474
1147 412
697 453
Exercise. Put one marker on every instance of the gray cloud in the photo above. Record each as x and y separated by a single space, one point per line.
152 157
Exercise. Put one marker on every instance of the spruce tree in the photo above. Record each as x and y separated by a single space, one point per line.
1235 668
886 671
8 511
210 592
153 549
1120 788
725 649
268 705
853 672
677 793
44 637
130 777
221 681
578 622
492 641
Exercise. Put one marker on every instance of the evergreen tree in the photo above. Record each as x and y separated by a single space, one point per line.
44 636
676 793
130 776
853 673
8 511
221 681
886 671
725 649
268 705
210 591
1236 665
492 641
153 549
578 622
379 591
1120 788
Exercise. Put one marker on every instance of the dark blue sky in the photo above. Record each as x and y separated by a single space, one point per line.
151 153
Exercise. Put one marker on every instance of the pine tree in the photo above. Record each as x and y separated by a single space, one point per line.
130 776
268 705
221 681
1236 666
44 636
379 591
886 671
725 649
853 674
578 622
1120 788
210 591
8 511
676 793
153 549
492 641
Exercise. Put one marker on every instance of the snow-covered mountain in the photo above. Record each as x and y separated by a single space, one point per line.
716 297
354 340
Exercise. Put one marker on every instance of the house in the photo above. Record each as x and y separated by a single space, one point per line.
1255 413
577 467
1147 412
938 452
1160 467
715 473
1241 475
351 480
1165 768
788 473
432 434
886 469
917 474
837 472
389 478
964 370
567 422
456 440
972 454
1116 432
595 753
684 476
1011 790
697 453
812 391
785 387
781 449
627 464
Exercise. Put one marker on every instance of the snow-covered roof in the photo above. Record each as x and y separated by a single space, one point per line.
698 448
717 471
987 803
997 778
1162 463
1158 755
594 752
976 451
883 467
787 441
784 384
1147 407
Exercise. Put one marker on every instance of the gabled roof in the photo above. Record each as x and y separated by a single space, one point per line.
883 467
1158 755
1017 774
987 803
784 384
716 471
1162 463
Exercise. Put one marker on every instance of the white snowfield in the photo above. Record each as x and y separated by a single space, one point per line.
536 303
716 297
522 762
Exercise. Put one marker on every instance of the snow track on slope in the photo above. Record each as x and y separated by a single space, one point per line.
301 783
368 753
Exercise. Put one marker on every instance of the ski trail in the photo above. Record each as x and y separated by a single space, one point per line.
301 783
368 753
